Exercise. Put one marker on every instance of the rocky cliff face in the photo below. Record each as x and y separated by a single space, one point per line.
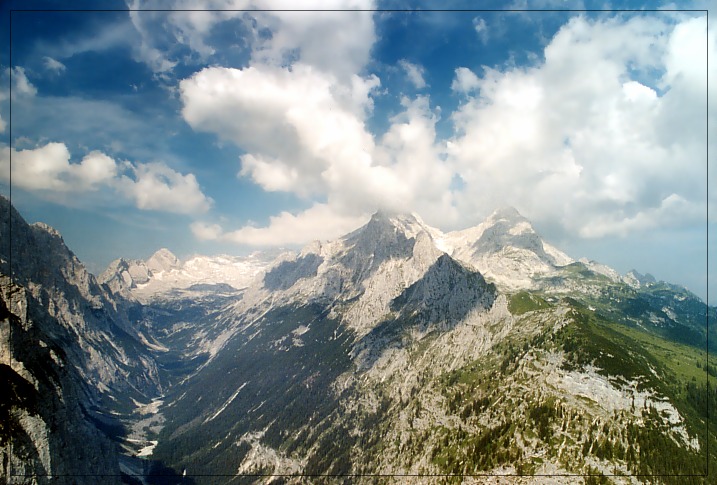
70 355
46 429
103 344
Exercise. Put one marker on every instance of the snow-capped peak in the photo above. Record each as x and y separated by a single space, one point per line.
507 213
162 260
163 273
383 237
506 249
408 224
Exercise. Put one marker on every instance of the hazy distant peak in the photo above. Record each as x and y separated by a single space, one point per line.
115 265
508 213
408 223
385 216
163 253
634 276
162 260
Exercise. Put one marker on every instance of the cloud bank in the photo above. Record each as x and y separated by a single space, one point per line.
582 137
603 134
151 186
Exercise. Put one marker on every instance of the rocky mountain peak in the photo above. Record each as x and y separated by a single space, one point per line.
48 229
394 221
162 260
637 280
385 236
388 225
507 213
506 248
507 228
642 278
39 255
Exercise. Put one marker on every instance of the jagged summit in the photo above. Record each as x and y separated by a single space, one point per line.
637 280
162 260
382 215
408 223
508 213
385 236
642 278
506 227
506 249
48 229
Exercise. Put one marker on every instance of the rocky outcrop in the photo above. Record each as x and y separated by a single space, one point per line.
507 250
69 354
102 343
45 427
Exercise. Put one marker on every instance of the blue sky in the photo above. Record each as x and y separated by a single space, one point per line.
223 131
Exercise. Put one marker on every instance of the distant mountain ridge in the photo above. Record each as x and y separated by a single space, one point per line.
383 340
505 249
395 349
163 273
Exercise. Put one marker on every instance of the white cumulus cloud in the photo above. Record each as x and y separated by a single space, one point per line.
465 81
49 168
151 186
414 73
324 34
155 186
578 139
304 133
54 65
293 123
21 85
206 232
318 222
583 137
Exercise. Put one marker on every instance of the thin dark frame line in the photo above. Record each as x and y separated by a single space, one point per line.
705 11
389 10
9 144
707 224
10 206
339 475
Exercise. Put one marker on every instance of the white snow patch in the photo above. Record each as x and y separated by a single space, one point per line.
301 330
151 408
147 450
152 345
228 401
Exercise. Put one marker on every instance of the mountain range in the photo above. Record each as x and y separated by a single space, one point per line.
394 351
